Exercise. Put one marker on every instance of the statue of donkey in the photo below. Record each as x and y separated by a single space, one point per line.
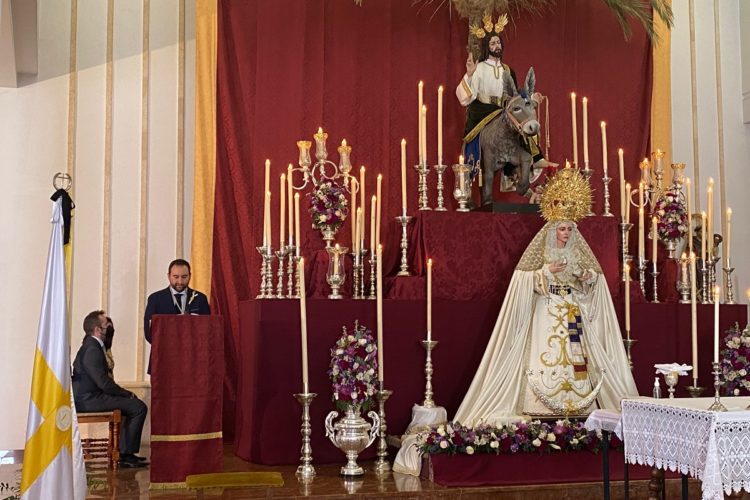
502 139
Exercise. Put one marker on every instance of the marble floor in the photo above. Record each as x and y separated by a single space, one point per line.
134 484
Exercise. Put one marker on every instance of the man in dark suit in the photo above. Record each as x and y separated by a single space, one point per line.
94 390
177 298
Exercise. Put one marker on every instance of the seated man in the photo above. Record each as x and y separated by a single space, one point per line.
94 390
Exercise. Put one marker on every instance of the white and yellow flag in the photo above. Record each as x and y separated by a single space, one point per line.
53 462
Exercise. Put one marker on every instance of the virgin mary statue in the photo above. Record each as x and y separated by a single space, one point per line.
556 350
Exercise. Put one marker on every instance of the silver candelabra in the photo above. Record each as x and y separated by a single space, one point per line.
382 465
717 405
729 288
305 470
440 169
423 170
404 220
655 275
606 180
428 345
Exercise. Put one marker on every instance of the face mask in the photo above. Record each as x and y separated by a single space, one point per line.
108 336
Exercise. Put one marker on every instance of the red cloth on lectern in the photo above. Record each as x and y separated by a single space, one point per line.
187 379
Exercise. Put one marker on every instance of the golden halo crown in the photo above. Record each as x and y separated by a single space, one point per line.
566 196
488 27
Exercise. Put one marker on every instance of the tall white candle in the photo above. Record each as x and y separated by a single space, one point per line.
420 87
628 188
693 319
627 301
297 239
575 131
605 164
403 176
654 239
689 215
268 219
373 224
379 296
440 125
704 236
585 102
641 232
267 176
623 200
303 326
358 230
290 201
353 215
429 300
728 243
717 295
282 208
362 191
379 207
424 134
710 218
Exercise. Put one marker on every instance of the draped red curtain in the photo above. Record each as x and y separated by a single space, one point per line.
286 67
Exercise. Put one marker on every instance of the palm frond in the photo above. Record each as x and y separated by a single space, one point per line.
623 10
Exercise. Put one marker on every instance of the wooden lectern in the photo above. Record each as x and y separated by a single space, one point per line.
187 384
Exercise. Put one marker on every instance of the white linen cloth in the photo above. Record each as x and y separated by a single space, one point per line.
682 435
409 458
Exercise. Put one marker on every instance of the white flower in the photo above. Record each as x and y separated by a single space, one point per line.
559 422
354 395
494 444
441 431
443 444
550 437
350 338
322 218
355 366
362 341
574 441
536 442
469 450
743 372
449 429
736 392
542 435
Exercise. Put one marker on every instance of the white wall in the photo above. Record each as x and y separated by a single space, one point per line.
736 133
33 147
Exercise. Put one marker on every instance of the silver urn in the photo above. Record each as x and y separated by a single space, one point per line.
352 434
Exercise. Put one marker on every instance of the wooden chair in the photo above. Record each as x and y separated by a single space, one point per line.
94 448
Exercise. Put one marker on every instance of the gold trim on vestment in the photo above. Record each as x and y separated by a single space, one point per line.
478 128
173 438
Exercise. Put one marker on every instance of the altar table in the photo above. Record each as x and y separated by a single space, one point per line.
269 359
683 435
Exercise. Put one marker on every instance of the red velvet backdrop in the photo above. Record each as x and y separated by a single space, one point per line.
286 67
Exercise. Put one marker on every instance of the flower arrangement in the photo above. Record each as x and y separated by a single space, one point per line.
735 357
354 369
673 223
329 207
520 437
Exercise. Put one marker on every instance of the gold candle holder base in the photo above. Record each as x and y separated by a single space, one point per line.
629 343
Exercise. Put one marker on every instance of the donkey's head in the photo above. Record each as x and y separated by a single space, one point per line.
520 109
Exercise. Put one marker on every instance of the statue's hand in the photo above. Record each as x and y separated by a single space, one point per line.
556 267
471 65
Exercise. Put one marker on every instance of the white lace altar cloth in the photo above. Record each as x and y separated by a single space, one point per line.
605 420
682 435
